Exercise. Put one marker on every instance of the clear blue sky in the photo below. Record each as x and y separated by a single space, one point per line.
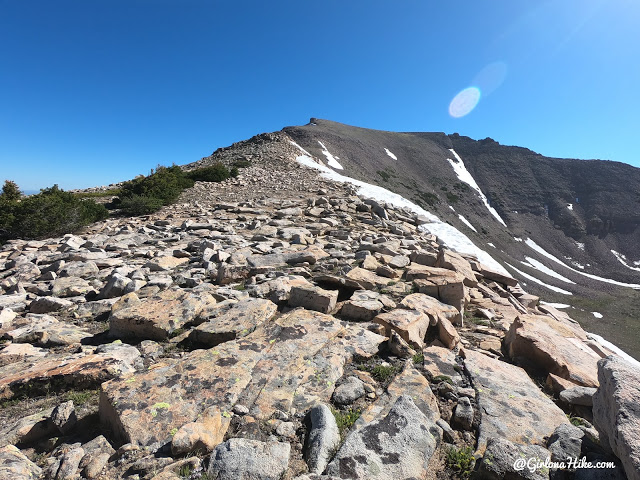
93 92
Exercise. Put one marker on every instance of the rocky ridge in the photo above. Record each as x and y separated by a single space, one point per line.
277 325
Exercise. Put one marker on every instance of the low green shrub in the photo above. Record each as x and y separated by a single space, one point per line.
215 173
139 205
51 212
166 184
346 419
460 460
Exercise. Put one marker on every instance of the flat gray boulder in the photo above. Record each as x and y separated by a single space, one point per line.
245 459
397 446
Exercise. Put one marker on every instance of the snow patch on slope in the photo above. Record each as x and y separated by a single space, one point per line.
532 262
390 154
544 253
331 160
452 238
300 148
623 260
597 314
539 282
467 223
559 306
621 353
464 175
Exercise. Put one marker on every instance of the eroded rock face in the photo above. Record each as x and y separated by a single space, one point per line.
409 382
15 465
557 347
253 370
616 412
156 317
79 371
511 406
398 445
238 321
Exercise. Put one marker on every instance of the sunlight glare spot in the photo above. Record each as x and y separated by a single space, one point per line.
464 102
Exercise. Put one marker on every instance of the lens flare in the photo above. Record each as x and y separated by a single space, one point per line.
490 77
464 102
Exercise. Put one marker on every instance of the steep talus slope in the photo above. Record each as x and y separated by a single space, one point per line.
578 211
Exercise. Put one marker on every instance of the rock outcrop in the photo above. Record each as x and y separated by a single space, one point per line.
616 412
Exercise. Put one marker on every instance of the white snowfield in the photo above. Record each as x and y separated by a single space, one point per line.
544 253
539 282
533 263
390 154
558 306
467 223
621 353
331 160
464 175
449 235
623 260
597 314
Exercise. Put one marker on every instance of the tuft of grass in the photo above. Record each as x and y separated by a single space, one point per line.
176 333
82 397
418 358
381 373
10 403
185 471
346 419
460 460
442 378
576 421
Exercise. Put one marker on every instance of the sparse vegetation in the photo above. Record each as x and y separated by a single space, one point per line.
576 421
442 378
82 397
385 175
452 198
418 358
346 419
381 373
185 470
460 460
428 198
